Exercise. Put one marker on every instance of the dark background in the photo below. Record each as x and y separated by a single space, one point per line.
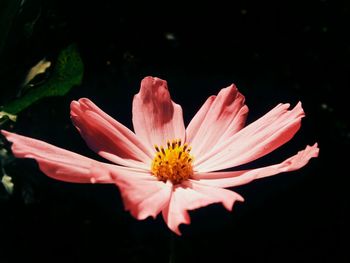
273 51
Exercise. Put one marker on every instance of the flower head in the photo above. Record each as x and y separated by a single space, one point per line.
162 167
174 163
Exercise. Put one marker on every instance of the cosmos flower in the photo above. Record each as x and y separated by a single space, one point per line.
163 167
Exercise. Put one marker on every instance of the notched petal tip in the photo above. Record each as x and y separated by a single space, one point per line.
217 120
232 89
156 118
152 79
82 104
153 84
74 108
311 151
154 90
300 159
314 150
85 101
299 109
240 198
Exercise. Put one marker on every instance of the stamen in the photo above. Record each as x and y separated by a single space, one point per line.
162 149
173 163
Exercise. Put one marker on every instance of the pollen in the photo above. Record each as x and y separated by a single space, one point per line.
173 163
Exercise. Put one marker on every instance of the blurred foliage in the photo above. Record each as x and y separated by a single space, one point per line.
7 183
37 60
5 116
6 180
67 72
40 68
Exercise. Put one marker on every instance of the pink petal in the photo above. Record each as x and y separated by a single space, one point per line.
235 178
191 195
218 119
257 139
58 163
108 137
156 118
143 195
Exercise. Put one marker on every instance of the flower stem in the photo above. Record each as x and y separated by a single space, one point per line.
172 248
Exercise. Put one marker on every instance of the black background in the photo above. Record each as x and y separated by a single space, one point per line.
273 51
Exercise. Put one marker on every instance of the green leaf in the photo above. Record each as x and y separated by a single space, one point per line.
67 72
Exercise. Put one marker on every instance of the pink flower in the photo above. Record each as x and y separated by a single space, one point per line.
163 167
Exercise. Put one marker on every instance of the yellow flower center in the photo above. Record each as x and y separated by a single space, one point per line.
172 163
